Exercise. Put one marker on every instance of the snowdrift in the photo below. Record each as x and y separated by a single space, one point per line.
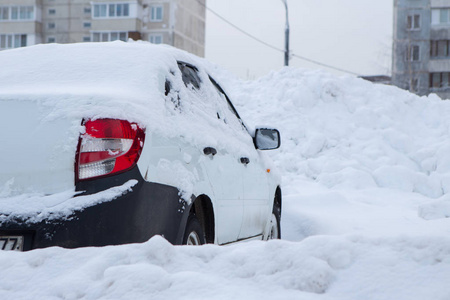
319 267
350 133
366 176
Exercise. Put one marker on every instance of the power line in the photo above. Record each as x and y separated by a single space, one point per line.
241 30
324 65
274 47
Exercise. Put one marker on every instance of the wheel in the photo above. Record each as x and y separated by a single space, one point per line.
193 234
274 226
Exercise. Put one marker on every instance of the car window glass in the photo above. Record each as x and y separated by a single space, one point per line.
168 87
170 93
226 101
192 91
189 75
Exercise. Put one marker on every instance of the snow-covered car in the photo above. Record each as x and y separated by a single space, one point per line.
113 143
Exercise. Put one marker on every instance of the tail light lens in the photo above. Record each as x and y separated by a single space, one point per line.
109 146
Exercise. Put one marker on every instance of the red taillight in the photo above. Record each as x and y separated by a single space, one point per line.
109 146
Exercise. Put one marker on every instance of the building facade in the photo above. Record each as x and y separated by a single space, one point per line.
421 48
180 23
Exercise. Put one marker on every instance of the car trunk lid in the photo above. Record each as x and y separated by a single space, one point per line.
37 149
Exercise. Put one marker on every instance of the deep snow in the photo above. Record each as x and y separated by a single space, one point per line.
366 176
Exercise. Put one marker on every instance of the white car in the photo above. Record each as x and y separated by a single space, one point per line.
112 143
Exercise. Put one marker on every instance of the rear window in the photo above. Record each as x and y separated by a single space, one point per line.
189 75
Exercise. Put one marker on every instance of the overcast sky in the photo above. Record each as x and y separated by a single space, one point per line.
355 35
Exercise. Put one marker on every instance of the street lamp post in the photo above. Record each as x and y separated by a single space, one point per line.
286 34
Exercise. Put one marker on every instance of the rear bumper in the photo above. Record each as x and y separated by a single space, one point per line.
149 209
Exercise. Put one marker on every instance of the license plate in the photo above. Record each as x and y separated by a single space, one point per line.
14 243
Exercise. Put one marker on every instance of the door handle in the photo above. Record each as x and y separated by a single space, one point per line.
245 160
210 151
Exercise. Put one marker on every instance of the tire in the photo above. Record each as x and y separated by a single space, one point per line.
274 226
194 234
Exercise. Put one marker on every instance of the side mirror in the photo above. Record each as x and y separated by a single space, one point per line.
267 139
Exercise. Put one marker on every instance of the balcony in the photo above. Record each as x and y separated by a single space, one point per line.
439 65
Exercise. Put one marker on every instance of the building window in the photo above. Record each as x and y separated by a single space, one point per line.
100 10
440 80
413 53
87 25
440 49
413 85
52 11
443 15
440 16
26 12
86 39
4 13
16 13
51 40
157 13
156 39
109 36
112 10
413 22
51 25
8 41
87 10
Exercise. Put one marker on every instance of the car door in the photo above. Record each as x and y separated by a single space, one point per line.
221 164
256 202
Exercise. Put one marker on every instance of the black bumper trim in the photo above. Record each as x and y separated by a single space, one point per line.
149 209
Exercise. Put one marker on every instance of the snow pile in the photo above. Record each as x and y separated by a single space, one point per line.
356 157
436 209
348 133
366 212
340 268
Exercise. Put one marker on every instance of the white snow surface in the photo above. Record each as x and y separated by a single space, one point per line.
366 210
35 208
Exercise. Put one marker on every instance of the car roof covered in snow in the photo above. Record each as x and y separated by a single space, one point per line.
120 65
124 80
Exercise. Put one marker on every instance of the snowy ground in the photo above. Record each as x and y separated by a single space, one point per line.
366 182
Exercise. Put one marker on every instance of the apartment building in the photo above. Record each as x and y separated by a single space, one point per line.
421 48
180 23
